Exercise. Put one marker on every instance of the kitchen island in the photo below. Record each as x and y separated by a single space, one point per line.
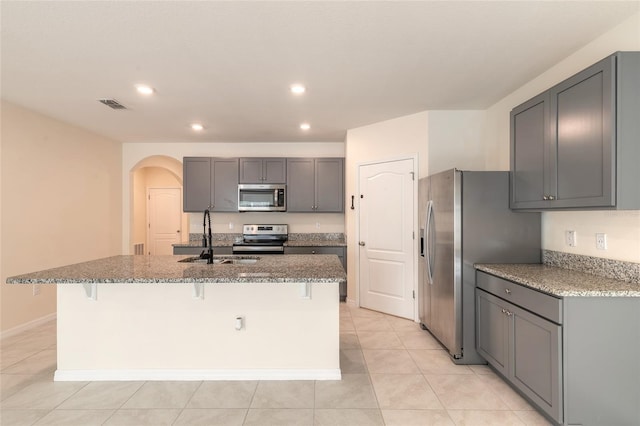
155 318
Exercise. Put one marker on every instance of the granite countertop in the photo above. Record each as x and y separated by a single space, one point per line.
295 240
167 269
561 282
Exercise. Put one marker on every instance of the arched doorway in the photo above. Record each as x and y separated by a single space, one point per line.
150 175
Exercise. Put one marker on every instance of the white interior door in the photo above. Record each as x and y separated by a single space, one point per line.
165 219
386 237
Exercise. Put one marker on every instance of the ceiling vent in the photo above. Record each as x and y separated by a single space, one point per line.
112 103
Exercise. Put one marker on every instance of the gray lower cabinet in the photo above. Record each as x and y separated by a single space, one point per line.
263 170
315 185
575 358
574 145
524 348
195 250
210 183
339 251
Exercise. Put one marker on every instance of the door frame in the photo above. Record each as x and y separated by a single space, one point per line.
416 237
148 218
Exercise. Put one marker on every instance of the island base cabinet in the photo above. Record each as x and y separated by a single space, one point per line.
524 348
163 331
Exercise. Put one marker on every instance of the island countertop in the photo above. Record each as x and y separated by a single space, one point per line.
167 269
561 282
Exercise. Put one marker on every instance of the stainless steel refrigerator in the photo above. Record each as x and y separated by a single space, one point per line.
465 219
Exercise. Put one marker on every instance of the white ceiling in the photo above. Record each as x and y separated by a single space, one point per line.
230 64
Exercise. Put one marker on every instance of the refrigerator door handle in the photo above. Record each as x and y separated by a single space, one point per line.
427 237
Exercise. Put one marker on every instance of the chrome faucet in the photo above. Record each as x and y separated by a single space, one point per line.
205 237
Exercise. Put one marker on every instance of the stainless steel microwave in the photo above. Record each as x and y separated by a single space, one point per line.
262 198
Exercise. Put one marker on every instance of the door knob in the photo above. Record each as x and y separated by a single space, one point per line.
178 231
361 243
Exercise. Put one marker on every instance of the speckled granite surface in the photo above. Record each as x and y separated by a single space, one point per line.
561 282
167 269
295 240
616 269
316 240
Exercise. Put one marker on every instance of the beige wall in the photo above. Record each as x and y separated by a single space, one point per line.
135 153
61 204
622 228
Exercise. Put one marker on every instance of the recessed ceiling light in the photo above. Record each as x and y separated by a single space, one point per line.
197 127
298 89
305 126
144 89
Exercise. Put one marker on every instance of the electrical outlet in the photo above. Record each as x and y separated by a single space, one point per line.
317 224
601 241
36 289
230 225
570 238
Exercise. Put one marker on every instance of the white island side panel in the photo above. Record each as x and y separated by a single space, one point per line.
160 331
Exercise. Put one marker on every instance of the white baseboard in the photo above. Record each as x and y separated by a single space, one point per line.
28 325
194 375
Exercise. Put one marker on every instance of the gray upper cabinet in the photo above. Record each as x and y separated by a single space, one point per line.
315 185
575 146
263 170
210 183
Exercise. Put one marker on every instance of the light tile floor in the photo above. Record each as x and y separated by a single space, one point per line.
393 374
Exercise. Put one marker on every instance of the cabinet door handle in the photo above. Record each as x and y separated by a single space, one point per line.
551 197
313 252
504 311
544 197
509 314
506 290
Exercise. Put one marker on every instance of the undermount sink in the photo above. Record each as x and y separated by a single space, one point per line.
223 260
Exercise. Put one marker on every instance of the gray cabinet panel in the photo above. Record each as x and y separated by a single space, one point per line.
224 193
588 138
492 331
584 371
275 170
263 170
581 111
250 170
536 360
528 159
329 185
525 348
315 185
197 184
210 183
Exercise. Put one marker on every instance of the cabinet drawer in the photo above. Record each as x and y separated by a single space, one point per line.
541 304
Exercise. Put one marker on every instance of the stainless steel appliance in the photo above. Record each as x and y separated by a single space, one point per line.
264 239
465 219
262 198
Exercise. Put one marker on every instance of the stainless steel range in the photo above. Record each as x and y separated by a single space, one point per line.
264 239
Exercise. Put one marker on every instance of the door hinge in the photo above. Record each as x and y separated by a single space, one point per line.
413 235
413 175
149 196
414 294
